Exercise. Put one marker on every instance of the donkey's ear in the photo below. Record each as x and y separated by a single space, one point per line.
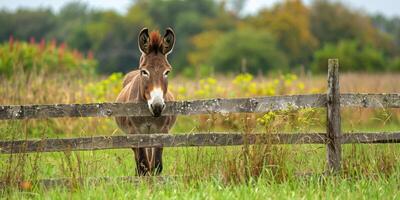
144 40
168 41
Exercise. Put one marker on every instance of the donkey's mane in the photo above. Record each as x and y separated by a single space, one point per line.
155 42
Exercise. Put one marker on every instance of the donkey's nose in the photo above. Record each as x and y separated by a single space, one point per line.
157 109
156 102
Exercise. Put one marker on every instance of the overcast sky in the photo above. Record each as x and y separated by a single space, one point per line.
388 7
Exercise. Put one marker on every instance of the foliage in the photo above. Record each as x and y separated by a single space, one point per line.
289 22
111 86
202 43
201 71
395 64
332 22
207 88
353 56
391 27
24 24
247 50
291 119
243 83
282 36
17 56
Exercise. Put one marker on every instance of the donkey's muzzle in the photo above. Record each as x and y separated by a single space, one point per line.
157 108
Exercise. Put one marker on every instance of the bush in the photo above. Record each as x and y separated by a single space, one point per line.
107 89
201 71
394 64
353 56
255 49
16 56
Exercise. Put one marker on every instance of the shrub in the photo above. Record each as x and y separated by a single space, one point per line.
353 56
28 57
256 50
394 65
106 89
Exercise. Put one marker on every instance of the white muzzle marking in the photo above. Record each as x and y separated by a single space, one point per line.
156 97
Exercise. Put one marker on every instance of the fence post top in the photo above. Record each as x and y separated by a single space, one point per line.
333 62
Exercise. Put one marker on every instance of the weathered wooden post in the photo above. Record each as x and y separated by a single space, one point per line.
333 128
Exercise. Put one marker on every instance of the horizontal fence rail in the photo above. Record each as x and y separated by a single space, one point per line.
90 181
189 140
370 100
155 140
241 105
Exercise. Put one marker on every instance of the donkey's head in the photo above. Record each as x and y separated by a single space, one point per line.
154 67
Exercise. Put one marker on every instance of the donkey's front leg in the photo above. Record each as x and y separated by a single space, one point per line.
142 168
158 160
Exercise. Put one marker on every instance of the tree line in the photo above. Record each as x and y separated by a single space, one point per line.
216 37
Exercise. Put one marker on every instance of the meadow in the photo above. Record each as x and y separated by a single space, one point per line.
71 56
273 171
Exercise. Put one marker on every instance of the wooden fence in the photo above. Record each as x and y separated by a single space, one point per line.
333 138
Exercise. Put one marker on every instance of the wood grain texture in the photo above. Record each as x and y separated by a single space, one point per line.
155 140
191 140
370 100
333 125
244 105
82 181
371 138
241 105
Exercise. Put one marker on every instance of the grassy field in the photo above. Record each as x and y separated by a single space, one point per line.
257 172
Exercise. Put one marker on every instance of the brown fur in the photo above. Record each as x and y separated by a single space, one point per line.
136 89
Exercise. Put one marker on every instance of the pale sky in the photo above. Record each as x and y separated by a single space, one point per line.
388 7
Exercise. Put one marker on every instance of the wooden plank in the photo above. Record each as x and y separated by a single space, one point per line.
333 127
241 105
371 138
191 140
88 181
156 140
370 100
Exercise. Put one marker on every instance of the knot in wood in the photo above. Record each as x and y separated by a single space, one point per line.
253 104
364 102
108 112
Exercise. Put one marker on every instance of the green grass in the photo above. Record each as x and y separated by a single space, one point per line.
369 171
302 188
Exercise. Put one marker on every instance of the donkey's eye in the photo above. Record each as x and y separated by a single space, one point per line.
166 73
144 73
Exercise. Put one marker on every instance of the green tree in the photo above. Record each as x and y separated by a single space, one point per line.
353 56
114 41
71 25
332 22
289 23
394 64
250 48
25 24
390 26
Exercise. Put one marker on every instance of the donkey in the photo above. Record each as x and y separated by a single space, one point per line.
149 84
